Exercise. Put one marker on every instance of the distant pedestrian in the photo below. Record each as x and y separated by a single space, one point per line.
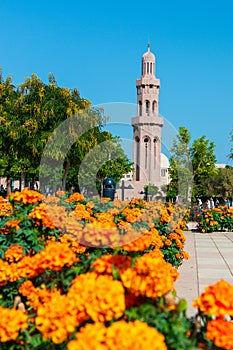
228 203
199 203
211 203
208 204
217 203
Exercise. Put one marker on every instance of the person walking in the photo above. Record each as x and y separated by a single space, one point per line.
208 204
211 203
199 203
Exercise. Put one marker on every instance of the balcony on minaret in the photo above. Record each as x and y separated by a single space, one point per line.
148 81
144 120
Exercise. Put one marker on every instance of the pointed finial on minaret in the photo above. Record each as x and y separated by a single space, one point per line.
148 45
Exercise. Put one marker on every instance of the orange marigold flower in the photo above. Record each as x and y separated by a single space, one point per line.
9 225
167 242
5 209
105 200
157 240
138 201
40 214
37 296
220 332
102 298
131 214
60 193
5 272
100 235
92 334
27 196
165 216
185 255
106 263
151 276
135 335
139 244
217 299
104 217
120 335
11 322
75 197
26 288
81 212
57 319
55 256
51 200
14 253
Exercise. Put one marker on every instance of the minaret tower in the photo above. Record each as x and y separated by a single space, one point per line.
147 125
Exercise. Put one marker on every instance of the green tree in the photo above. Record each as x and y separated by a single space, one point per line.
43 108
35 112
180 170
191 164
221 184
9 124
105 159
150 191
203 161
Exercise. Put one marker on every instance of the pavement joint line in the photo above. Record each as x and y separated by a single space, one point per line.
197 275
222 255
229 237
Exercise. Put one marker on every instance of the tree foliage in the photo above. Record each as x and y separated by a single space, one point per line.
191 165
221 184
31 113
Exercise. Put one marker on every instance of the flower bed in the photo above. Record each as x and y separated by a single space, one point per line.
91 274
215 219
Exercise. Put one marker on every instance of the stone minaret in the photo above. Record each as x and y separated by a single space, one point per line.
147 125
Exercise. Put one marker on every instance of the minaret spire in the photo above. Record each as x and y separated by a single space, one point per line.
148 46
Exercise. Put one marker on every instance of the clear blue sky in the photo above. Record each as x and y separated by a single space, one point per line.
97 46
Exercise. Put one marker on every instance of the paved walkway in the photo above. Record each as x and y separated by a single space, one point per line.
211 259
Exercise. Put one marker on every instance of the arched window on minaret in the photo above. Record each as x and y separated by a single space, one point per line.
137 158
155 151
146 142
154 107
140 108
148 67
147 107
151 68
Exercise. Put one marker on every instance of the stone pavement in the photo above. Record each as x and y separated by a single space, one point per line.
211 259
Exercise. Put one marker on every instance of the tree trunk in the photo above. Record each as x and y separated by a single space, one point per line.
8 186
67 168
23 178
